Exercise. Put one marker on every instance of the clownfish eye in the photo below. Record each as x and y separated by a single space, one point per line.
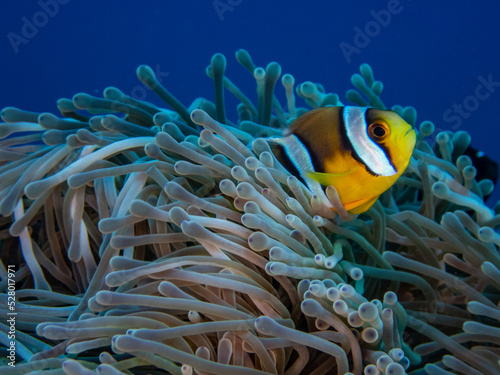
378 131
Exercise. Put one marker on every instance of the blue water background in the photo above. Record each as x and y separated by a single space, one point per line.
429 54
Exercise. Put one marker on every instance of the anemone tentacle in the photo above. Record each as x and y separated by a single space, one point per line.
151 240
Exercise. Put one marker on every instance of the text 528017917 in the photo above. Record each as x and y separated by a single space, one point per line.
11 314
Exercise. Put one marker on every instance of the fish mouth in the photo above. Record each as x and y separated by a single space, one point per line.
409 131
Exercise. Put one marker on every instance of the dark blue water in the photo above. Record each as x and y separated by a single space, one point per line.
441 57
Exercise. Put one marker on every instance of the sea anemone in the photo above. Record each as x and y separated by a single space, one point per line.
146 240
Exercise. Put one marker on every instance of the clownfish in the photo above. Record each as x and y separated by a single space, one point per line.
358 150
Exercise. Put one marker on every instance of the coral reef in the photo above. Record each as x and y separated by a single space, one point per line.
150 241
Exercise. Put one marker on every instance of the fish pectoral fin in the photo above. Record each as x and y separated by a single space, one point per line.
360 206
328 179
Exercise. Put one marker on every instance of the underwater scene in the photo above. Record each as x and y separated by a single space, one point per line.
249 187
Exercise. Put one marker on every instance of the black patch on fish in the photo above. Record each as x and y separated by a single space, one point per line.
282 156
346 142
387 153
317 163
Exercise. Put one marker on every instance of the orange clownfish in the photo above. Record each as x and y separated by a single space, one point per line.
358 150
